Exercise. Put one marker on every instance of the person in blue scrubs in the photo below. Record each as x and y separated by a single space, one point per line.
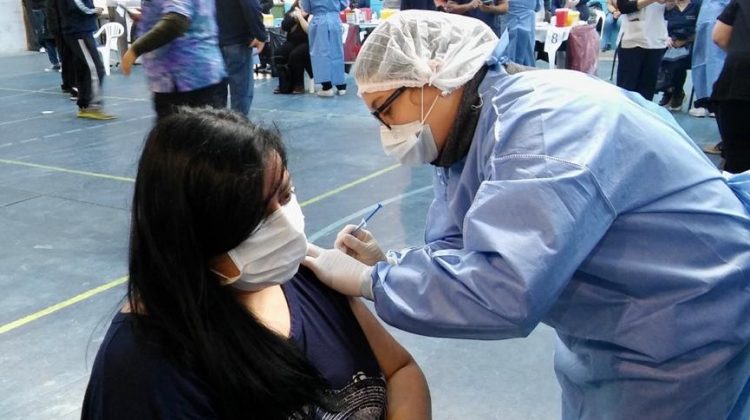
708 58
326 45
521 21
559 199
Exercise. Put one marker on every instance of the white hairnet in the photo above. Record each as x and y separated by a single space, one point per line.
414 48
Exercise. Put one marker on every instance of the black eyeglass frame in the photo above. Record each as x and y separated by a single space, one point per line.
384 106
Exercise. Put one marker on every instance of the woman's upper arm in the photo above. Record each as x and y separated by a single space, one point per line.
391 356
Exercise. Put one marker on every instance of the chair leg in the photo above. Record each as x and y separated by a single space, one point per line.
614 62
105 60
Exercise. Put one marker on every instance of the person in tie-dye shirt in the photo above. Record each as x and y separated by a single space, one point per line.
180 48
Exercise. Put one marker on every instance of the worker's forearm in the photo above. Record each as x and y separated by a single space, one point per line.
167 29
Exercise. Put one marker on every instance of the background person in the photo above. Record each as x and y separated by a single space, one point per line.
240 30
708 58
580 5
65 56
611 27
521 23
205 332
293 57
484 10
681 18
326 45
43 36
731 93
179 42
644 41
78 22
559 198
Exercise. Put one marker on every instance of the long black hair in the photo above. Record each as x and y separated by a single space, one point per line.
199 193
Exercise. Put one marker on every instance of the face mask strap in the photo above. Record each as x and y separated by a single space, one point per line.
424 117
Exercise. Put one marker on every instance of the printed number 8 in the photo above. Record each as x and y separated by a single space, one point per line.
554 38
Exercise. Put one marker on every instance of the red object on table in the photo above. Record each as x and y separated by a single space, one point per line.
583 49
561 16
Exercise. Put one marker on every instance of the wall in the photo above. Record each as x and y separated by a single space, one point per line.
12 28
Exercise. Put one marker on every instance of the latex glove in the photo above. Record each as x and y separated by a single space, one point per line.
339 271
362 246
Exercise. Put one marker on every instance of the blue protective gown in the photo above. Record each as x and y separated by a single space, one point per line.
587 208
708 58
521 22
326 45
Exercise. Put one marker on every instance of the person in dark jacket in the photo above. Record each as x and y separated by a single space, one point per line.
240 29
293 57
78 22
64 54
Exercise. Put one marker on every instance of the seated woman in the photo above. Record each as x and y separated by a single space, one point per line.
219 322
293 57
611 27
681 17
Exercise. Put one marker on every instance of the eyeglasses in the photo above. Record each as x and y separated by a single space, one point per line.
386 105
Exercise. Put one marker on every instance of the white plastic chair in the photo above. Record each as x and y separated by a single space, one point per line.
112 31
601 18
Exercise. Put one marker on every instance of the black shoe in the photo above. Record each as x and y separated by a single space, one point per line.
665 99
676 103
73 94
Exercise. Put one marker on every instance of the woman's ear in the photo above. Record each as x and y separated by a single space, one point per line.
430 92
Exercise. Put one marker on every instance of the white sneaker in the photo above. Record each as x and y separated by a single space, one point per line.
325 93
341 92
698 112
42 50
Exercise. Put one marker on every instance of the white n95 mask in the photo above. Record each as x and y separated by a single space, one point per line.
412 143
272 254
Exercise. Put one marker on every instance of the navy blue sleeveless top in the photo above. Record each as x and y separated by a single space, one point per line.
130 380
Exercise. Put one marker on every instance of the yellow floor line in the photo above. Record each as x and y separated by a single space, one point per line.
95 291
64 304
67 171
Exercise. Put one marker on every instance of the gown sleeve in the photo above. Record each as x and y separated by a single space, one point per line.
531 224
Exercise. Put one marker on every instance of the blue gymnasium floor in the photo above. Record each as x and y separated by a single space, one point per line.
65 187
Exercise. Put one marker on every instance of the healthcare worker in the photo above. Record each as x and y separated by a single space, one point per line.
708 58
559 199
326 46
521 22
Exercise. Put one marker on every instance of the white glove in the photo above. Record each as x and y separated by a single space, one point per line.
361 246
339 271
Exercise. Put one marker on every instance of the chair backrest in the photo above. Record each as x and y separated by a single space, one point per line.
112 31
601 17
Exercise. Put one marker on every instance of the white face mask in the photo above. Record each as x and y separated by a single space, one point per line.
272 254
412 143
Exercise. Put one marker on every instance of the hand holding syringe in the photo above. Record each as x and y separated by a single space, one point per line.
359 243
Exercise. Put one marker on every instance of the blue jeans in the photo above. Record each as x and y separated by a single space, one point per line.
611 30
42 37
238 59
